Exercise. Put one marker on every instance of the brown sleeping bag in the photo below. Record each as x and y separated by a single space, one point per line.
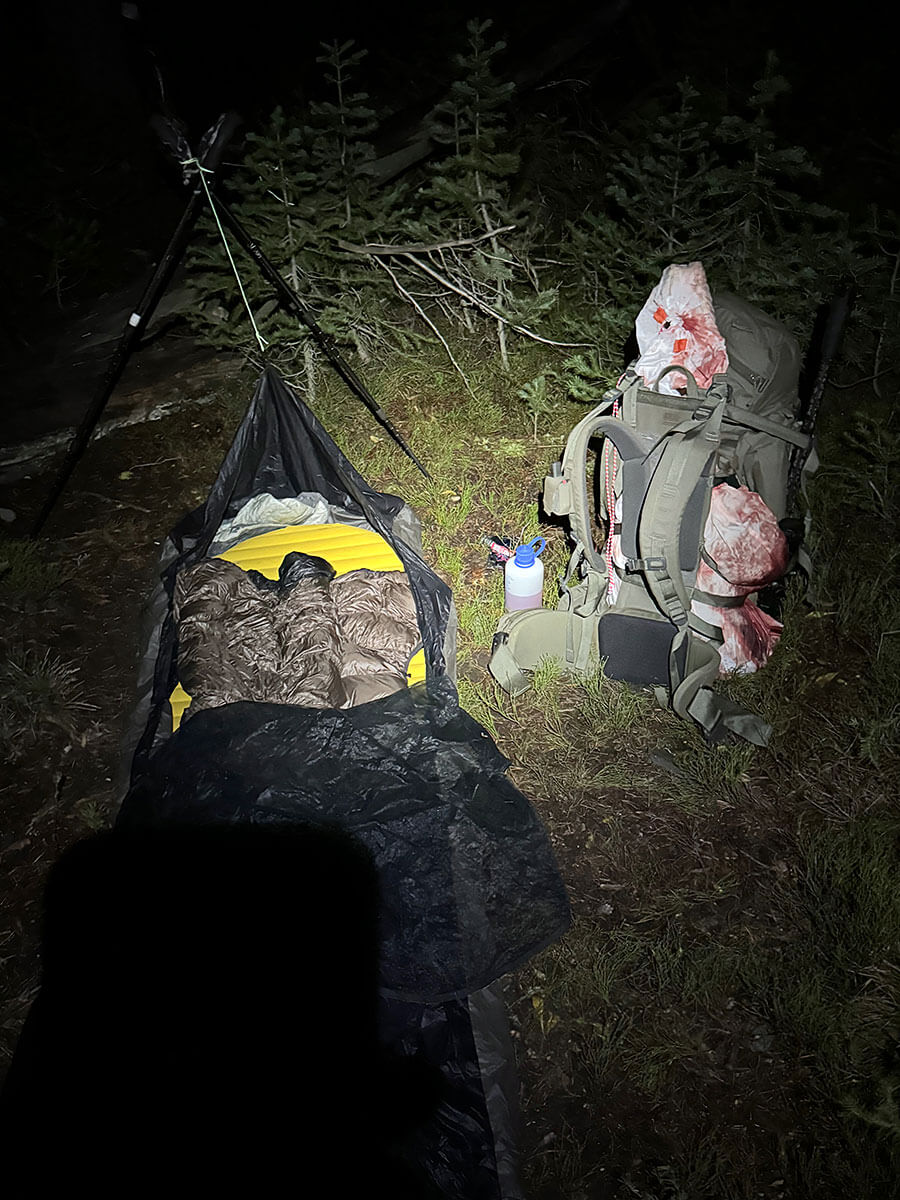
305 639
379 632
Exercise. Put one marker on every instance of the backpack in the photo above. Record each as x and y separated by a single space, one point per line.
630 605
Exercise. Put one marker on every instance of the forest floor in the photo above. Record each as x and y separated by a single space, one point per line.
721 1020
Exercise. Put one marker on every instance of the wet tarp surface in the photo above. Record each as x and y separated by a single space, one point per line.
469 887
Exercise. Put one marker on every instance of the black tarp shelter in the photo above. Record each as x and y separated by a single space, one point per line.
467 887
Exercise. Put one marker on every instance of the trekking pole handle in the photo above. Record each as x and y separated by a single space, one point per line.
836 316
837 320
210 156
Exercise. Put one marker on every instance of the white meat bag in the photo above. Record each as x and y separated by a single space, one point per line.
749 549
677 327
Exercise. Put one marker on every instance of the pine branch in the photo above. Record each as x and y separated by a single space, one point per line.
428 321
486 308
375 248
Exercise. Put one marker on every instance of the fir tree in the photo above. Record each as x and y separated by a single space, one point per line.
671 169
342 155
657 211
353 210
773 245
273 197
720 187
304 185
466 200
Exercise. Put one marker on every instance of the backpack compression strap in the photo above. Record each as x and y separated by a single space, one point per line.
565 493
651 527
693 663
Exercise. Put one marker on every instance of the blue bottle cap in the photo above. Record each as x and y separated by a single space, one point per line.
525 555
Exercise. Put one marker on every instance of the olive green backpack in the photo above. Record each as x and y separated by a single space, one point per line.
669 453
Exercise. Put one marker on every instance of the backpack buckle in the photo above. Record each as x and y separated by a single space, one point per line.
634 565
703 412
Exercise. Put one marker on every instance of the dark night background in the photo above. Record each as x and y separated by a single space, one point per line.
79 89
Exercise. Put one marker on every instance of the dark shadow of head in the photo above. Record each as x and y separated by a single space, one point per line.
204 990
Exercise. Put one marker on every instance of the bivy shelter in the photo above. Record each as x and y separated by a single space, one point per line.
468 886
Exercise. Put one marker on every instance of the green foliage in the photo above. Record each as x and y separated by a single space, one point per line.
70 242
688 177
859 578
875 445
713 775
467 198
340 153
776 247
613 707
535 394
838 995
874 345
470 183
588 376
275 198
696 181
25 570
657 209
670 167
601 255
354 211
479 611
93 815
304 185
479 703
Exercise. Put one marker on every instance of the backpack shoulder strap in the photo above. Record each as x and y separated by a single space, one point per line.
654 551
565 494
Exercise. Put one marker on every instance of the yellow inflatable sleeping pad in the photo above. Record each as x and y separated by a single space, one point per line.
346 547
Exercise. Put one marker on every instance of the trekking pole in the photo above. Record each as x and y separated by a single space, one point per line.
212 149
325 341
179 149
831 324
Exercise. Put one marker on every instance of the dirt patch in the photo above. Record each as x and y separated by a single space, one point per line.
99 548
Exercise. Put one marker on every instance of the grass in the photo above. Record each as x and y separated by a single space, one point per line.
614 707
26 570
721 1020
38 691
735 941
848 904
713 775
860 577
479 606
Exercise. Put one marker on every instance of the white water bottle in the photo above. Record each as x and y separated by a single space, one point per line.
524 577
